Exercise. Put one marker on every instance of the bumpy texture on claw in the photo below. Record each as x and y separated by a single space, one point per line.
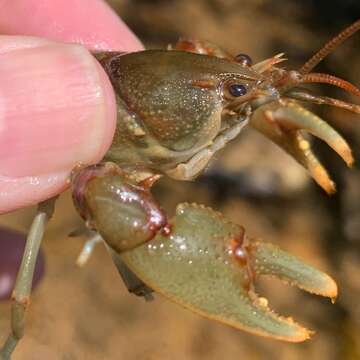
271 260
208 265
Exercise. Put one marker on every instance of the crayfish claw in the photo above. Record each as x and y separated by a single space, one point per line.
284 124
296 117
271 260
208 265
300 148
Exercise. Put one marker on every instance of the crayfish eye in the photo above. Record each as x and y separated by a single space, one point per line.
243 59
237 90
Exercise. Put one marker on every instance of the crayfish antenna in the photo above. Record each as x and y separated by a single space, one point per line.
306 96
329 47
331 80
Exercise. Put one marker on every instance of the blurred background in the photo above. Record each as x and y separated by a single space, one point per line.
88 314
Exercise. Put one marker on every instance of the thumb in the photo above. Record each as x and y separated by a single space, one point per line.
57 109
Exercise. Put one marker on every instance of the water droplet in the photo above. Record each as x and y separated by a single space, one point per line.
263 302
180 209
183 247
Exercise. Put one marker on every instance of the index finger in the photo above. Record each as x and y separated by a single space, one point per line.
90 23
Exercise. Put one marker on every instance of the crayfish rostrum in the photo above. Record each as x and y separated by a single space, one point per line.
176 109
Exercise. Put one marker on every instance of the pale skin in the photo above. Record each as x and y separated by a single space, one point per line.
27 177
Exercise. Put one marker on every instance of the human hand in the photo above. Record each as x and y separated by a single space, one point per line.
57 106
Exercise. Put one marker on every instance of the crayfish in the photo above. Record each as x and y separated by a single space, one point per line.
176 109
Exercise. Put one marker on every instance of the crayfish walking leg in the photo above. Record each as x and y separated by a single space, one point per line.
22 290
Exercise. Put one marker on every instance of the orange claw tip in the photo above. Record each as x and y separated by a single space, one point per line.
348 157
324 286
332 292
344 151
330 188
330 288
321 176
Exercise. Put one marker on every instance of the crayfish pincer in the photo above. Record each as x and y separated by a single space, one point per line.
176 109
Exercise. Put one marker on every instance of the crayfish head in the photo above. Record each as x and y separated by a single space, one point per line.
284 121
172 104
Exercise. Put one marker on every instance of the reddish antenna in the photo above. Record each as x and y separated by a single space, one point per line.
329 47
331 80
